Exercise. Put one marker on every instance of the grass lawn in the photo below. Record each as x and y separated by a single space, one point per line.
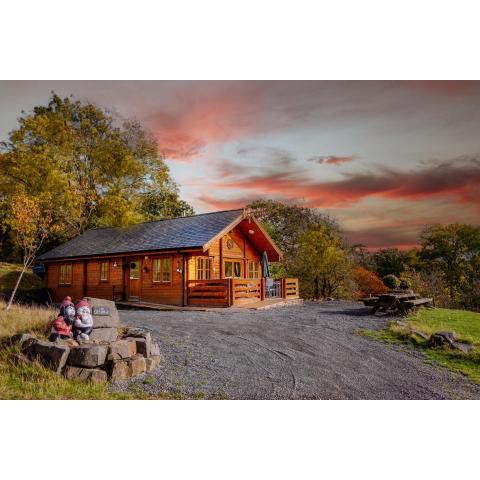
32 380
465 324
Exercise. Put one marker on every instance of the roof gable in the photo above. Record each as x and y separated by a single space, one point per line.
176 233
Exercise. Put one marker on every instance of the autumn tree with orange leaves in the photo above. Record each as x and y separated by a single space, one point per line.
368 282
29 227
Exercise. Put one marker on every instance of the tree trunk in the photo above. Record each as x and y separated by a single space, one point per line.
12 296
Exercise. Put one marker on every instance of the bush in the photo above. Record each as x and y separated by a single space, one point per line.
368 282
391 281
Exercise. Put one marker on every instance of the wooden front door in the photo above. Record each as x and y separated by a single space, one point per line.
134 269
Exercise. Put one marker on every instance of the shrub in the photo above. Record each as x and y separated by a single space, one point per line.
368 282
391 281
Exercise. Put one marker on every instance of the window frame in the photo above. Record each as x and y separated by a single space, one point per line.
61 276
253 271
204 270
103 262
161 269
232 261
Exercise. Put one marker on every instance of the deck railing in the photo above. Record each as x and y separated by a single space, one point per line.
290 288
246 290
234 291
215 293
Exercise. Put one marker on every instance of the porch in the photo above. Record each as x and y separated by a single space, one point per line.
239 292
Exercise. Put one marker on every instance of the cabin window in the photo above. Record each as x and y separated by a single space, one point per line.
65 274
162 268
104 271
233 269
204 268
253 270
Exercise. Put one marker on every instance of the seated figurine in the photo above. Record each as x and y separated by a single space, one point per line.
62 325
83 323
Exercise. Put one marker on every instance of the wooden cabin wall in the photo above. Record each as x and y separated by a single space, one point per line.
242 250
170 293
167 293
75 290
105 289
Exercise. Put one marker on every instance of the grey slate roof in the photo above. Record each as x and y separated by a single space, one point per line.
181 232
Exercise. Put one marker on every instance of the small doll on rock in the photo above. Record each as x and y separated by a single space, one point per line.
62 325
83 323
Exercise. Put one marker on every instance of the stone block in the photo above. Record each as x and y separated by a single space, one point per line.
119 370
104 313
27 345
137 332
93 375
49 354
136 365
20 339
143 345
88 355
154 349
99 335
152 362
121 349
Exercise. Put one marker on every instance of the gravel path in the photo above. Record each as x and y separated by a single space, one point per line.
298 352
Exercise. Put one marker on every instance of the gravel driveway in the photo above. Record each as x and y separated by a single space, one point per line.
310 351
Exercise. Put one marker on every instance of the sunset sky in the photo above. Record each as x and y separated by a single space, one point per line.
384 158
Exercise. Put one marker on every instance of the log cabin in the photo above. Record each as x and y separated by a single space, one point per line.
211 259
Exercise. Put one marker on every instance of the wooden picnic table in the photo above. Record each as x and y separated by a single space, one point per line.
396 301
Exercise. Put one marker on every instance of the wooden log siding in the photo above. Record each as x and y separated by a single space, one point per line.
213 293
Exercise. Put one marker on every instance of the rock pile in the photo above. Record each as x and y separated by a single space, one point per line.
440 339
112 353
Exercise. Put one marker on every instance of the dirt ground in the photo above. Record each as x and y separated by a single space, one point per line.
312 351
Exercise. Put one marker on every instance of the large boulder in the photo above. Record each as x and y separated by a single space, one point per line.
119 370
463 347
103 335
122 349
104 313
93 375
88 355
439 339
136 365
49 354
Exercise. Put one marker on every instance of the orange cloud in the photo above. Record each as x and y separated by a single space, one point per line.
459 177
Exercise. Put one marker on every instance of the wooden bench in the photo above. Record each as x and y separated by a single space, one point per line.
369 301
417 302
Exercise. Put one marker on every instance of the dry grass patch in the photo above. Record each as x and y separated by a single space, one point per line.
20 319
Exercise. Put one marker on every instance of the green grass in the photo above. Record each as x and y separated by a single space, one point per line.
9 273
465 324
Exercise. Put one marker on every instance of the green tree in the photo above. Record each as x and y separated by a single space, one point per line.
96 168
285 223
454 250
322 264
389 261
